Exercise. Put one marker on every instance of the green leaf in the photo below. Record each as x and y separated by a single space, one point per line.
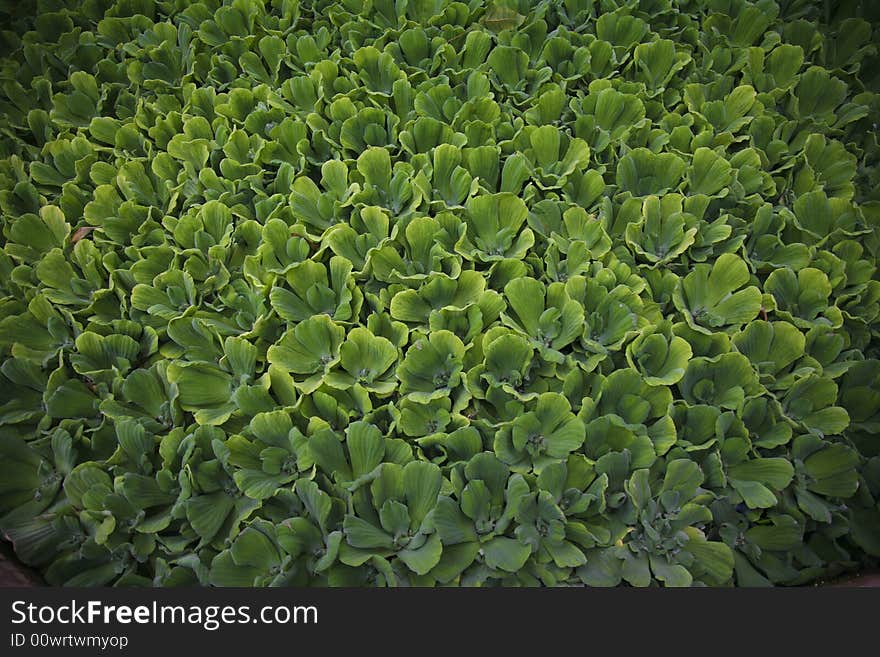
505 553
422 559
421 485
207 513
361 534
671 574
499 18
775 472
709 173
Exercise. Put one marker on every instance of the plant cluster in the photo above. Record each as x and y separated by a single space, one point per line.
438 292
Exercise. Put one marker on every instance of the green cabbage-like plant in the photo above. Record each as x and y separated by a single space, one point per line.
397 520
494 228
802 298
643 173
718 296
432 367
660 356
550 323
308 351
668 545
546 433
727 381
473 522
665 232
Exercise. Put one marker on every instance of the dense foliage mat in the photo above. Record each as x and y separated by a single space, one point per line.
431 292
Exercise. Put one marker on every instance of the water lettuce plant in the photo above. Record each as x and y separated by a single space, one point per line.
444 292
